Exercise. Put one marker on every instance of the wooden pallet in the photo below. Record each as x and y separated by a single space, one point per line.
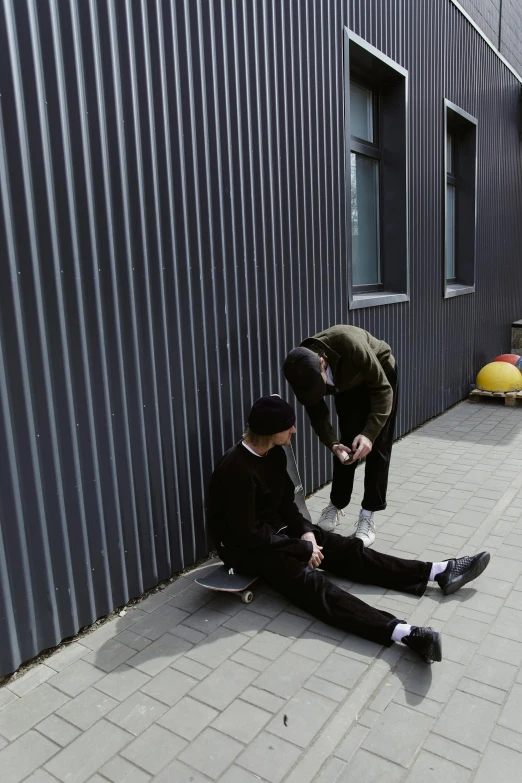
510 398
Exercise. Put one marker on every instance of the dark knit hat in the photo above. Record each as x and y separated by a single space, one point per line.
270 415
302 369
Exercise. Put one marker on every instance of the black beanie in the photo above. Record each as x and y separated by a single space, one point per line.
270 415
302 369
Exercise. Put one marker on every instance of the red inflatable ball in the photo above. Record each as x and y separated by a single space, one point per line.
510 358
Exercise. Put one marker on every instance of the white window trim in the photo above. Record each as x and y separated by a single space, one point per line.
456 288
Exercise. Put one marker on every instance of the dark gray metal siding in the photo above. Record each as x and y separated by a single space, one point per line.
172 201
440 343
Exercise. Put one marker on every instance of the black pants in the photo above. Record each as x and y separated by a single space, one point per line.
346 557
353 407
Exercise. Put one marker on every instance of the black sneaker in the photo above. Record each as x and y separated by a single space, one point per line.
460 571
426 642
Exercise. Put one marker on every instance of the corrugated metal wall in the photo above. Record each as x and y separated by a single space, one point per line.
172 202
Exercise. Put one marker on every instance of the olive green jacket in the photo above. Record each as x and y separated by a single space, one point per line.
354 356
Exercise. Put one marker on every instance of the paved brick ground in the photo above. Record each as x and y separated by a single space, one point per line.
192 686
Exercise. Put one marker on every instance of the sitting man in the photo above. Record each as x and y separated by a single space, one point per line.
259 530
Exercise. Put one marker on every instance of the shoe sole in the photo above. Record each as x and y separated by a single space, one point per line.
365 544
436 656
477 570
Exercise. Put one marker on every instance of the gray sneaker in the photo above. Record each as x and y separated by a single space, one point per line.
365 529
329 518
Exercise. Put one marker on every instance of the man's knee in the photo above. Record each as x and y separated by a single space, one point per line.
346 546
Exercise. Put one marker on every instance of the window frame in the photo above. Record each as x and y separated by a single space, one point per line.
452 180
372 150
464 129
364 63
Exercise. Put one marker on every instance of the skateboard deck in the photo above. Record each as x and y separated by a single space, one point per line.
223 578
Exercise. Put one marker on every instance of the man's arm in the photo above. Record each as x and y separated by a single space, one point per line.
381 393
297 523
320 420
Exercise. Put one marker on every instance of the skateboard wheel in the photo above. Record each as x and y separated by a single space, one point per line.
247 596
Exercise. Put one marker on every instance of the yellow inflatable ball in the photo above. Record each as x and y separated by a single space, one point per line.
499 377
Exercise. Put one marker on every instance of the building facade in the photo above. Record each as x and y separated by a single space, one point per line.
188 189
501 22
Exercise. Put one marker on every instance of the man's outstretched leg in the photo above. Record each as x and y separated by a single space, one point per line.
347 557
312 590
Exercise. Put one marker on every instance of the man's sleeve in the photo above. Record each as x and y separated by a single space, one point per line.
319 416
381 393
297 523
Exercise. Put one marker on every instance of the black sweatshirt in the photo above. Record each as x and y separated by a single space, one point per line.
250 499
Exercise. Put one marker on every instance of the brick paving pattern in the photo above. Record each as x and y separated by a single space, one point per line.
196 686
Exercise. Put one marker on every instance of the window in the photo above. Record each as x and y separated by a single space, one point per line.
460 197
451 207
376 175
365 192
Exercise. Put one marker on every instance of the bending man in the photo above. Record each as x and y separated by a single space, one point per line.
258 530
361 372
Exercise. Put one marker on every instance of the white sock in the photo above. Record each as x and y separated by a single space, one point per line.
400 631
436 569
366 513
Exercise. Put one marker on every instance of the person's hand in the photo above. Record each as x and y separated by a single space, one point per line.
361 446
317 555
341 452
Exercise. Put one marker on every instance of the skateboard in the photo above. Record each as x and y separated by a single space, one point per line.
223 578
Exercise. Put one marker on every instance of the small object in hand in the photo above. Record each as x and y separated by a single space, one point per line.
348 457
285 720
